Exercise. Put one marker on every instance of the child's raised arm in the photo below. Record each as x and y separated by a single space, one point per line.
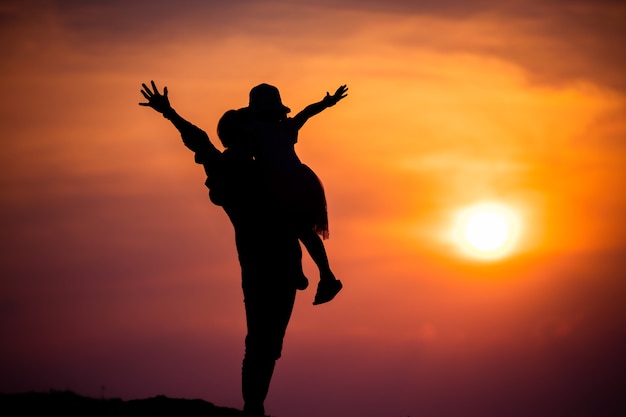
315 108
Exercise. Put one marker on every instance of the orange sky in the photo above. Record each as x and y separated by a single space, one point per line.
118 271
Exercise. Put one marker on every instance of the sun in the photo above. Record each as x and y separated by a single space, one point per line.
487 230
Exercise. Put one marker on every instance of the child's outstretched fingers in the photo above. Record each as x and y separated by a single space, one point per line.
339 94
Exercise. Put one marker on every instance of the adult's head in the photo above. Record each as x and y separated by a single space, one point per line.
233 129
229 128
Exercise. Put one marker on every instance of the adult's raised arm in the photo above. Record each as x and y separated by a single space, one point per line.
193 137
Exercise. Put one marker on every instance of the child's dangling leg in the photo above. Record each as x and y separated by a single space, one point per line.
329 286
302 282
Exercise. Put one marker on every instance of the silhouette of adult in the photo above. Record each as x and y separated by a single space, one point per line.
270 260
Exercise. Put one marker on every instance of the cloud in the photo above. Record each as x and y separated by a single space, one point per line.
555 41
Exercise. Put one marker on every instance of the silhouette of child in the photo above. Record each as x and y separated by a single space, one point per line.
293 184
238 172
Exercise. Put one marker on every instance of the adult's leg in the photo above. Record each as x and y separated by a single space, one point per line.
268 310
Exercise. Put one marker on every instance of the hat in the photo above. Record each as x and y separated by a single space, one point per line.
266 98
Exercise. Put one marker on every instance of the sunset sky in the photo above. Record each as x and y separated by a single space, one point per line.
118 277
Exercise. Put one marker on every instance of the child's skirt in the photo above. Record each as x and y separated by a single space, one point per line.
301 194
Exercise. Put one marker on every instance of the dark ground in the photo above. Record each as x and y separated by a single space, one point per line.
69 404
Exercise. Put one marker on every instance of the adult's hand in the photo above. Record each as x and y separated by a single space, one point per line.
156 100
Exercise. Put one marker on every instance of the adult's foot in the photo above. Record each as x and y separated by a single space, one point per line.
253 410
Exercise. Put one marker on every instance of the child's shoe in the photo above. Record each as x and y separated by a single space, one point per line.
302 282
327 290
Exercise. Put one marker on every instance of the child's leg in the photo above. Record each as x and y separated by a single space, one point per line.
329 286
315 246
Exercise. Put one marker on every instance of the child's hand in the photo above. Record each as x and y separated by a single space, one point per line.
334 99
156 100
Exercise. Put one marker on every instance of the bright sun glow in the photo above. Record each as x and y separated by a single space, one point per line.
487 230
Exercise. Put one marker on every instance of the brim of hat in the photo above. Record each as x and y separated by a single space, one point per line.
263 109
